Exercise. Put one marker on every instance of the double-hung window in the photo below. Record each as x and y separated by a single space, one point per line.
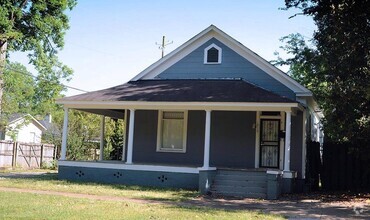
172 127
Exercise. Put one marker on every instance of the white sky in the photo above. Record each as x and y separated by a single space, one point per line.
109 42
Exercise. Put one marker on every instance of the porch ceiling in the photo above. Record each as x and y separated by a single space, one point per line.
112 113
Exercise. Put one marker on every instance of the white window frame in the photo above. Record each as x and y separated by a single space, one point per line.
160 135
219 54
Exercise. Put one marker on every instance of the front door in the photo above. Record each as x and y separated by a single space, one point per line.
269 143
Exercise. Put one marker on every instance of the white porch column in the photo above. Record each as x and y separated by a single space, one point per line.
207 140
124 137
102 131
288 122
130 137
65 134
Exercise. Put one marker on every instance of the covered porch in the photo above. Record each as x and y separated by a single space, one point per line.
247 137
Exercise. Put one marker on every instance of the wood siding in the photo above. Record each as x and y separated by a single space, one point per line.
233 139
145 140
296 144
233 66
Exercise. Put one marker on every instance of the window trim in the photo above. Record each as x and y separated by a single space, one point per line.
219 54
160 135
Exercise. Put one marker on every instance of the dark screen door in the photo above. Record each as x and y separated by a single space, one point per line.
269 143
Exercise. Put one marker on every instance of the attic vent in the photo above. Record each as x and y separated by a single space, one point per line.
212 54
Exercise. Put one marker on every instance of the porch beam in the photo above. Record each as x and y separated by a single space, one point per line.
207 140
102 131
288 122
130 137
64 135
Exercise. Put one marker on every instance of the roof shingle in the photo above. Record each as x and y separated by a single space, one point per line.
183 91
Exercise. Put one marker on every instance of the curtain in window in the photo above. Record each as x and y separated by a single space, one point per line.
172 130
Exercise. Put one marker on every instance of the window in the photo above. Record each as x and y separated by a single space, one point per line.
172 127
212 54
33 137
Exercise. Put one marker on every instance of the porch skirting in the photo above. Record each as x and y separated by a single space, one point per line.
185 178
259 183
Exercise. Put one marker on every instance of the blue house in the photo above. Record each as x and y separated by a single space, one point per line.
211 115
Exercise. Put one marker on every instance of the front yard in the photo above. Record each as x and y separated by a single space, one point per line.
50 182
30 196
99 201
35 206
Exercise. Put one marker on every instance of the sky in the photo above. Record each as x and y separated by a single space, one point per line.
111 41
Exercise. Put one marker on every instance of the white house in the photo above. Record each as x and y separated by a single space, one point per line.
23 128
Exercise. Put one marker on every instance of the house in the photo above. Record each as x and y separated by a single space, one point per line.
211 115
52 131
23 128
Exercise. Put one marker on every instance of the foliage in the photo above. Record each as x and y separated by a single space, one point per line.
83 135
38 28
115 138
19 90
337 67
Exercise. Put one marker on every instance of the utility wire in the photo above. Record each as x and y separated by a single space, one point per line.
35 77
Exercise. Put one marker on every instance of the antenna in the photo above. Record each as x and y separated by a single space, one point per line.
163 45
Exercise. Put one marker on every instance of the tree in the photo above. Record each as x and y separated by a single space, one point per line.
19 90
338 66
38 28
114 137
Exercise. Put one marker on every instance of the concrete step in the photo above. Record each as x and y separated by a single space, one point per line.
244 183
241 172
222 176
240 189
240 183
240 194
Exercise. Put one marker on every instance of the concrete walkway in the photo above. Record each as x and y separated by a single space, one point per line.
292 208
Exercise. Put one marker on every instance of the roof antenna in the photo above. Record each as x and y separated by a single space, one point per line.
163 45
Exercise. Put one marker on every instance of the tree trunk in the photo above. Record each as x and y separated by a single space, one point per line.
3 47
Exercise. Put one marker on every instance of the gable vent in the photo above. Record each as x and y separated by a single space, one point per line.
212 54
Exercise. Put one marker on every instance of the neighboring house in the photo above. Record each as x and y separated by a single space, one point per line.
23 128
52 131
211 115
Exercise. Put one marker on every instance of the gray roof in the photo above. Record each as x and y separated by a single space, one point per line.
183 91
16 116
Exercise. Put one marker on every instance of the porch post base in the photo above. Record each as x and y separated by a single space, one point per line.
274 184
289 179
206 177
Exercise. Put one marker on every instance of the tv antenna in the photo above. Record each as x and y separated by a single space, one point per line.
163 45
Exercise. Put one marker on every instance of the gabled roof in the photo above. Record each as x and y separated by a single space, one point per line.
19 116
213 32
182 91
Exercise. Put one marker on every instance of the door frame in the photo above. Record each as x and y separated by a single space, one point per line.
257 126
278 143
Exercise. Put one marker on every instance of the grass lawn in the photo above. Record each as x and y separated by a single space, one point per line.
34 206
50 182
16 205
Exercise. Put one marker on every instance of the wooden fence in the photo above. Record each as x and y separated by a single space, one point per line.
340 167
314 165
26 155
346 166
